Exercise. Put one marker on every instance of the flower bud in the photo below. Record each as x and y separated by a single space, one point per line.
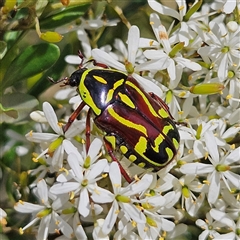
54 145
44 212
207 88
122 198
185 192
51 36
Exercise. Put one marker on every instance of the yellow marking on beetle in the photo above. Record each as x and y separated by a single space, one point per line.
111 91
109 95
163 113
141 148
126 122
167 128
142 164
175 143
141 145
126 100
132 158
100 79
123 149
158 140
144 98
112 140
169 152
85 94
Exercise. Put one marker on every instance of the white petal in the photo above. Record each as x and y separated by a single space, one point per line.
188 63
198 149
111 218
63 226
221 217
214 187
155 23
233 157
103 57
97 169
196 168
171 68
167 225
42 191
94 148
38 116
115 175
26 207
41 137
67 187
204 234
212 146
133 42
84 205
78 229
57 159
133 212
141 185
120 46
234 178
229 6
223 68
148 85
101 195
97 232
52 118
74 164
163 9
44 227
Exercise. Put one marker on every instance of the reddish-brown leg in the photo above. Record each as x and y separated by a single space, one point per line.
110 152
88 129
73 116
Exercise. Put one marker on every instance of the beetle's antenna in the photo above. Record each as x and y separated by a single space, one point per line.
64 80
80 54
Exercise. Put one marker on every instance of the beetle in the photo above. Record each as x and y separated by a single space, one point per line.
137 123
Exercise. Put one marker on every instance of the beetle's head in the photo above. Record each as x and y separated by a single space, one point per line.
74 79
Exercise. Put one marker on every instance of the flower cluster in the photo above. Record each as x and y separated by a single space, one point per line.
81 193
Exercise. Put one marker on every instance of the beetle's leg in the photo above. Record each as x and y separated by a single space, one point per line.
74 116
110 152
88 130
95 63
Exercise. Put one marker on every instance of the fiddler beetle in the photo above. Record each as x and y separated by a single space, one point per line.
137 123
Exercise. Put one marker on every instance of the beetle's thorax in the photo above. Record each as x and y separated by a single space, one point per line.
98 87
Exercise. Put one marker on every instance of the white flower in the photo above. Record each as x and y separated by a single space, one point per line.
129 65
82 177
223 48
225 6
55 140
184 33
46 213
225 220
121 198
209 226
165 58
219 171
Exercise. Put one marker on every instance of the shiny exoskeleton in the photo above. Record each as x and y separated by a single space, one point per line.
134 121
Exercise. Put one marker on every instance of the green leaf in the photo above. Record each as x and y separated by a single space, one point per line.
16 106
55 72
10 112
67 15
33 60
